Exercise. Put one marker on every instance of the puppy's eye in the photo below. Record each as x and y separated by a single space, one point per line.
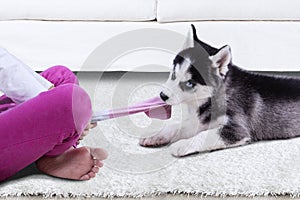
187 85
190 84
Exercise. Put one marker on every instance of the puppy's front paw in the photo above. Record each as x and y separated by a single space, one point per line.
156 140
182 148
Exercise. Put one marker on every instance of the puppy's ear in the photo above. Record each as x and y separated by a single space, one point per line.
191 38
221 60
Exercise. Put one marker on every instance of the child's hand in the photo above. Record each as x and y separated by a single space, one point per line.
86 130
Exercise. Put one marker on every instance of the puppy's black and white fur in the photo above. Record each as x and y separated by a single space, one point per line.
228 106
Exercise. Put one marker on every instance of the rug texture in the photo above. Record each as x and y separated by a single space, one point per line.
264 168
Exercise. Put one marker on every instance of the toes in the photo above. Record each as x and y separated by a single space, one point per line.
85 177
98 153
95 169
98 163
142 141
92 174
88 176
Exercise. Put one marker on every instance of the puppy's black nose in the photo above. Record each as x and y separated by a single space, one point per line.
163 96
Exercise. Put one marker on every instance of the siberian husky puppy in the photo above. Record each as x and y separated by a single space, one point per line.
228 106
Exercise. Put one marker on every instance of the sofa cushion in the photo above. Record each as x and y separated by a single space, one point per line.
129 10
189 10
147 46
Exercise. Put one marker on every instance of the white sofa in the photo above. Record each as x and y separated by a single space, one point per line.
264 34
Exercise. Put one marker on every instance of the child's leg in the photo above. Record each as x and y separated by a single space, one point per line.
47 124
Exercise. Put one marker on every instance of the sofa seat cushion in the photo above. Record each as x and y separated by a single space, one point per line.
106 10
192 10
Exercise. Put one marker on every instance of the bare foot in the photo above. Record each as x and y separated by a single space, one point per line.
79 164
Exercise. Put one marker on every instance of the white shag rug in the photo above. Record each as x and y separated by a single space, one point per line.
265 168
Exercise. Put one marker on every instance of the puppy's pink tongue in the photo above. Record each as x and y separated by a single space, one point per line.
158 108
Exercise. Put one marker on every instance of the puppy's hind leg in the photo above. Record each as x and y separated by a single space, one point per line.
204 141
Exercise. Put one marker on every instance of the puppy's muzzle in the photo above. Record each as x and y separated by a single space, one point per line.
163 96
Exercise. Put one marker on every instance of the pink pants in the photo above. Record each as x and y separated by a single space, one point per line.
46 125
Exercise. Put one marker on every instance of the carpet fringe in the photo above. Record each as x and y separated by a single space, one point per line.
294 194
